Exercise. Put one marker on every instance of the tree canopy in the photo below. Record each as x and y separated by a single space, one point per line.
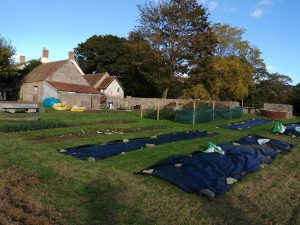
135 63
180 30
272 87
7 52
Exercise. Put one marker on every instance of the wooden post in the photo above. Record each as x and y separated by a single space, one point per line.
213 110
194 112
157 116
142 110
230 110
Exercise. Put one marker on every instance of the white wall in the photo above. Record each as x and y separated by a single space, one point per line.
32 92
69 74
49 91
114 89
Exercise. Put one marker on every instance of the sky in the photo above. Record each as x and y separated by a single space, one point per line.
60 25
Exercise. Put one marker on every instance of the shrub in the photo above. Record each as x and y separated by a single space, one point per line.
164 114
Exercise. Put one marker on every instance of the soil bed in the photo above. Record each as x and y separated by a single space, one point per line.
82 134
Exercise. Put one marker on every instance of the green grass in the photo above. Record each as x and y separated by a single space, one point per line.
108 192
32 125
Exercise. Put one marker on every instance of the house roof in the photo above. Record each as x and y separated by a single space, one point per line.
43 71
94 78
107 81
74 87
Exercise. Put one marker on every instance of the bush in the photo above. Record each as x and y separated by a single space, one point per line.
164 114
32 125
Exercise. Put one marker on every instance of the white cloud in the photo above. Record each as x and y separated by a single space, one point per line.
257 13
266 2
213 5
270 68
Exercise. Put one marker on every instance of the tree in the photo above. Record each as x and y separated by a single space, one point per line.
294 98
7 52
143 77
101 54
179 29
29 67
231 43
272 87
230 78
132 60
198 91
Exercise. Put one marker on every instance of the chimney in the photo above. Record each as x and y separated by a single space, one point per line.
22 59
45 53
71 56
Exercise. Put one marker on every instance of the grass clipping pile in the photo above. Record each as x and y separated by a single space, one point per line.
17 207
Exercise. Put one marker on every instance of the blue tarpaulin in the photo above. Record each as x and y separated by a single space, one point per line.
291 129
49 102
246 124
201 172
115 148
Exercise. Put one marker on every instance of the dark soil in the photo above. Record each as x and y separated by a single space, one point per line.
17 207
112 122
82 134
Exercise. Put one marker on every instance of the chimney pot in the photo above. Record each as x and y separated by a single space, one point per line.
45 53
71 56
22 59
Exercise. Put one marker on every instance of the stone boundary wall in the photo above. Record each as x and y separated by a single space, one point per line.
154 103
280 108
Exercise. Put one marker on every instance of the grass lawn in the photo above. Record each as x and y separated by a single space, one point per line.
38 185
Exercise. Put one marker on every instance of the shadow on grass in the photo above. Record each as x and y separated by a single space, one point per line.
225 211
102 205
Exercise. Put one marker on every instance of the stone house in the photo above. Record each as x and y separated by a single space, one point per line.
106 84
60 79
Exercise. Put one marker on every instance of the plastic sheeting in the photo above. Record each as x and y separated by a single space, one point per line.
206 115
97 152
200 171
291 129
49 102
247 124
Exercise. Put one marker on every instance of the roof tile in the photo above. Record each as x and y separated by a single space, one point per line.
74 87
43 71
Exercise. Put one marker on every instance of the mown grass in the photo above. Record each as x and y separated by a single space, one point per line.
108 192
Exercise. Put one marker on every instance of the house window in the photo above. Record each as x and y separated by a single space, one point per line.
118 90
35 88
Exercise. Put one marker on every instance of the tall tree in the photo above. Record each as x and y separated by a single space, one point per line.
101 54
294 98
179 29
132 60
231 43
231 72
230 78
272 87
7 52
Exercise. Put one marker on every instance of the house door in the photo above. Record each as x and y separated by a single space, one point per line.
35 94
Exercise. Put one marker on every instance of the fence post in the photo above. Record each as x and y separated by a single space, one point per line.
142 110
213 110
157 116
194 111
230 110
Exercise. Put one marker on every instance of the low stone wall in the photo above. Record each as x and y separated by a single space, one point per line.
280 108
91 101
154 103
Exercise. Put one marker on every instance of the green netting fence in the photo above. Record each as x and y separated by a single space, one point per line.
206 115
